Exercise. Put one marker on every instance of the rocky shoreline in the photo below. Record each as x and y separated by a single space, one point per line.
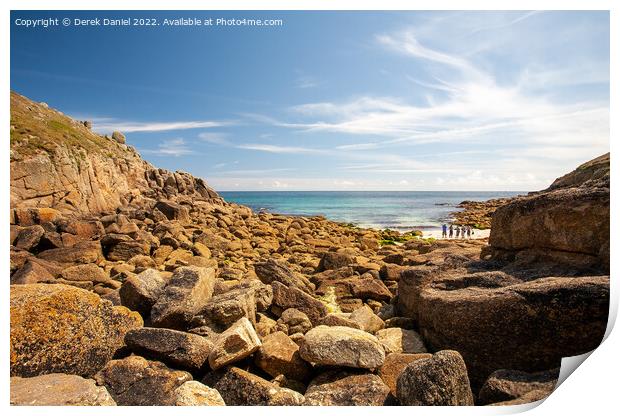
132 285
478 214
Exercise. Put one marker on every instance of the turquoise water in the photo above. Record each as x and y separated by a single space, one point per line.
401 211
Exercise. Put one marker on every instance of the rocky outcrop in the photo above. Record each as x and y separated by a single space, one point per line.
528 326
59 163
567 224
63 329
593 173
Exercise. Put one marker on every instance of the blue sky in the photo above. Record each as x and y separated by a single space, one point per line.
337 100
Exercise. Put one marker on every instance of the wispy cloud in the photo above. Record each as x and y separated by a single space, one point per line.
214 138
406 43
132 126
508 23
269 148
253 172
472 106
173 147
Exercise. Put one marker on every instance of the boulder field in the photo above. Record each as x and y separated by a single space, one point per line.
132 285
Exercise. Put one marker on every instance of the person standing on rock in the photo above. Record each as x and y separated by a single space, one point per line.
451 230
458 231
469 231
444 231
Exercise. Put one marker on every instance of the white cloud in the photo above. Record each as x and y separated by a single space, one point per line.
279 184
253 172
174 147
269 148
406 43
471 106
133 126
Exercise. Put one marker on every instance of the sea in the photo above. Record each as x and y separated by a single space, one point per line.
401 211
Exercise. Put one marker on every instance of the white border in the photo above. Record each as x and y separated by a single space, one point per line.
592 389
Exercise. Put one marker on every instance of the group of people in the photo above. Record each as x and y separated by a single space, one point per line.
461 231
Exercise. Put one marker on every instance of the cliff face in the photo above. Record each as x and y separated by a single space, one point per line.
567 223
592 174
57 162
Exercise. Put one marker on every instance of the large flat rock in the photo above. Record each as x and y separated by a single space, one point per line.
528 326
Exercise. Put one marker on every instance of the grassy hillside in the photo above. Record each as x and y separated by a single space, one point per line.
36 128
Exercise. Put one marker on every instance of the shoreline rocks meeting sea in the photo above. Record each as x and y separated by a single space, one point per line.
135 285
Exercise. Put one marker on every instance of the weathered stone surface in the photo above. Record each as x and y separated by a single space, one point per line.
342 346
189 290
334 260
58 390
294 321
201 250
265 325
175 348
367 320
84 272
118 136
400 341
274 271
140 292
173 211
341 388
126 250
135 381
339 319
240 388
370 288
234 344
390 272
291 297
31 272
412 281
59 328
394 364
194 393
82 252
263 294
228 308
507 385
528 326
29 237
437 381
279 355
